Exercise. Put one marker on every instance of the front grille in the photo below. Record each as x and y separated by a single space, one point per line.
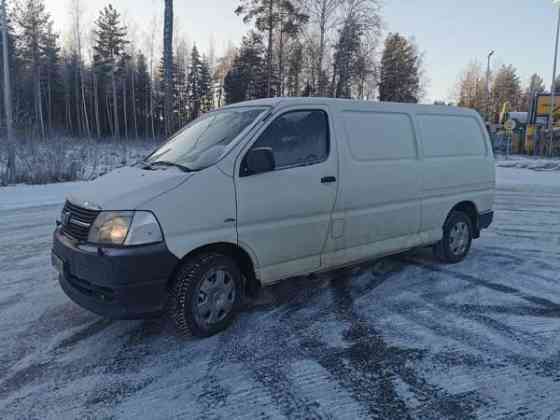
76 221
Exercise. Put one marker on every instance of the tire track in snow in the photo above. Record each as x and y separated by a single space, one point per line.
377 367
497 287
546 367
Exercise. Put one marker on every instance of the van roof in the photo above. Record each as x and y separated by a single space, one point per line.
352 104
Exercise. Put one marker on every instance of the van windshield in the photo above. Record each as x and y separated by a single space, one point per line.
204 141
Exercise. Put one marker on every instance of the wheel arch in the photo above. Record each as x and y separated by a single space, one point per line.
470 209
243 258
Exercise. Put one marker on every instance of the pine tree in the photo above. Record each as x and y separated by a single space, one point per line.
178 93
206 90
142 86
194 87
247 77
33 21
270 15
345 58
266 17
13 63
108 58
51 74
400 71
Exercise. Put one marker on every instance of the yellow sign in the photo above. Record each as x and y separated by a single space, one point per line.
543 105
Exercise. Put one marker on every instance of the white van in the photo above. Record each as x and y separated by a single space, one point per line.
260 191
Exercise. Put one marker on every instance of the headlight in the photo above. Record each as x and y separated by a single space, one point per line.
125 228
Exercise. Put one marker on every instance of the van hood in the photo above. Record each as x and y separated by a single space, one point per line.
127 188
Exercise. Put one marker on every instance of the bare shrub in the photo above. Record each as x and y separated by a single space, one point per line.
65 159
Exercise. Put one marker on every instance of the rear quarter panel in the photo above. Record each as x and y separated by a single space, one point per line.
453 177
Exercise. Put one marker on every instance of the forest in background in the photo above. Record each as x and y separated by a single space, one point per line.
116 86
107 80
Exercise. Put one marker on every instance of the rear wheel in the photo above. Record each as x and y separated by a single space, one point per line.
206 295
457 238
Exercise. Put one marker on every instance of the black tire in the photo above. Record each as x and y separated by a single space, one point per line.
186 294
449 250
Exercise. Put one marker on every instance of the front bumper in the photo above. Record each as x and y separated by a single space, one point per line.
117 283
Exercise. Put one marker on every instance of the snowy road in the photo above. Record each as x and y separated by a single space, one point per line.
399 338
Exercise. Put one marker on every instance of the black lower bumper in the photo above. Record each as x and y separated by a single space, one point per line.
485 219
118 283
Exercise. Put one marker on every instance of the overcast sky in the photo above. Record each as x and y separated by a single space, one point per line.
450 32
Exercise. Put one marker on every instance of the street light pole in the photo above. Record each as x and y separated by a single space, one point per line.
553 87
490 54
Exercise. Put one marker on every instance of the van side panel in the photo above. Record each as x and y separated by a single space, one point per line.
458 165
380 188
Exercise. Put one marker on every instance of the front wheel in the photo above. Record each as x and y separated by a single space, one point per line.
206 295
457 238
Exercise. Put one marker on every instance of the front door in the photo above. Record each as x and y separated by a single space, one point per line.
283 215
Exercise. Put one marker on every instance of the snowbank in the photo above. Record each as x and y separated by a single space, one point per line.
528 162
25 196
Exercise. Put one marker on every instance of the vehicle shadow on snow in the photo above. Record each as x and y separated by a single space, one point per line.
289 294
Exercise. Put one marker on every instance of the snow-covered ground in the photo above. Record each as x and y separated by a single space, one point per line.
401 337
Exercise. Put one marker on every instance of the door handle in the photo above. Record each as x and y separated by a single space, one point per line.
328 179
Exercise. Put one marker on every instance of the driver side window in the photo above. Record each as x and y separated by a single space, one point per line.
297 138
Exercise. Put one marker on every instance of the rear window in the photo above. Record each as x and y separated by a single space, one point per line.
380 136
450 135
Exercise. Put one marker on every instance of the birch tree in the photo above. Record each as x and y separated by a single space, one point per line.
323 14
471 88
76 11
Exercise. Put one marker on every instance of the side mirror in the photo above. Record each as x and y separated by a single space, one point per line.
259 160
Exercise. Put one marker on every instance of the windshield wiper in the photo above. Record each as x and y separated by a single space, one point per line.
167 163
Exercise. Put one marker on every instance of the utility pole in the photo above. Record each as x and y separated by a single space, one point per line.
553 87
488 108
11 168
